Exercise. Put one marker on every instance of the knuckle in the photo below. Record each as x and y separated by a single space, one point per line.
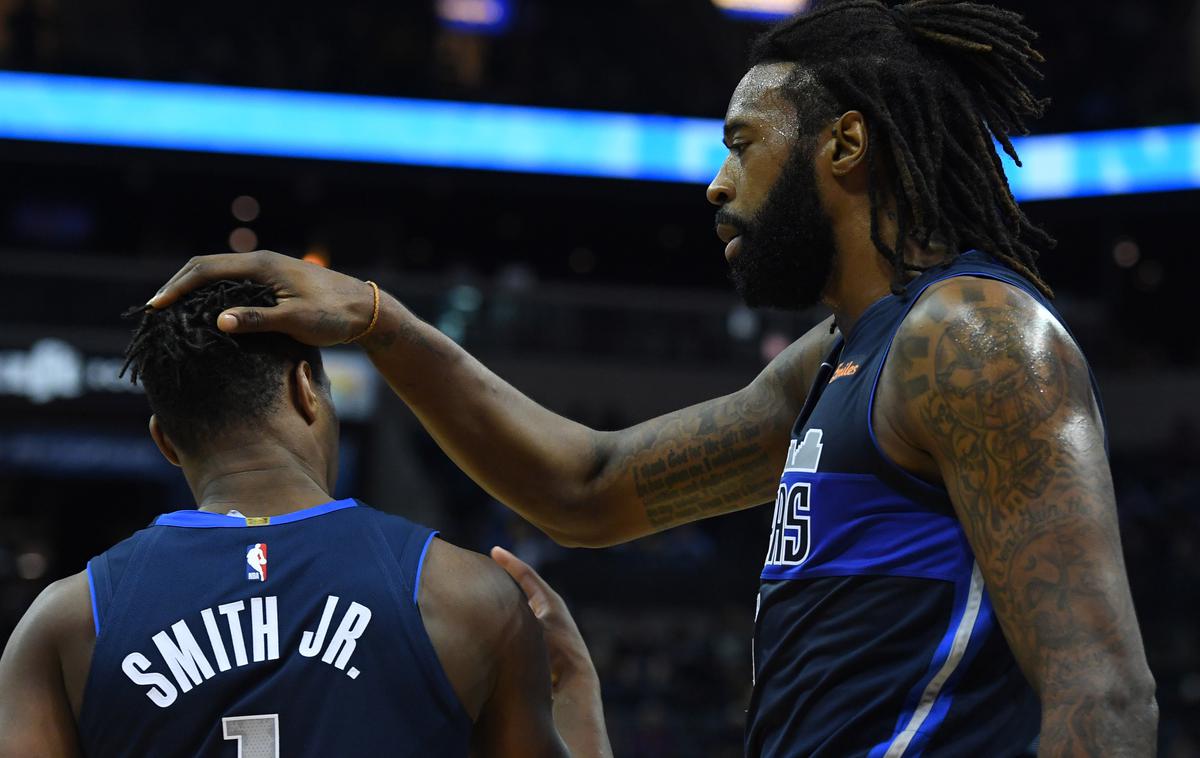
253 317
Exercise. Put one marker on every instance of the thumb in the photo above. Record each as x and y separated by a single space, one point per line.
250 320
534 587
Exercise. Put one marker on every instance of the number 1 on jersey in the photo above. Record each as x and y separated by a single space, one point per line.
257 736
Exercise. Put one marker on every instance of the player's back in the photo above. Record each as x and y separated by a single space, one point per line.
225 635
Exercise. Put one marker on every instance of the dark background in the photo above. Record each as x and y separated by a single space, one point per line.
606 300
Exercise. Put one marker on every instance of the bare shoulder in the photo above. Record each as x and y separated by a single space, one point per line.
470 608
987 353
62 613
469 584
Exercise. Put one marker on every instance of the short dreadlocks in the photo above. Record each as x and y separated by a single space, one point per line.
936 80
201 381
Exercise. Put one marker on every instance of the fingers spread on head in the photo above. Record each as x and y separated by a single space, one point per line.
202 270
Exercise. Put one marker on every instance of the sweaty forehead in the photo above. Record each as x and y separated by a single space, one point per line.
760 92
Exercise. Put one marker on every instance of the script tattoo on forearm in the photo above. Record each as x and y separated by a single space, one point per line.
713 458
1013 412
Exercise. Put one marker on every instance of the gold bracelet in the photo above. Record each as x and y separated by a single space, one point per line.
374 315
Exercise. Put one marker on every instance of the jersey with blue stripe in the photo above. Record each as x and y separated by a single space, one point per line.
874 634
299 634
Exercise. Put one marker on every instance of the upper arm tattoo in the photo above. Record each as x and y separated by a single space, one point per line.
1002 400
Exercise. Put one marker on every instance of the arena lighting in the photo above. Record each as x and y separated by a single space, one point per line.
761 10
479 16
204 118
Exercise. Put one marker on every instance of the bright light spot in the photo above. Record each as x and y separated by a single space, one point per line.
318 256
454 325
245 208
31 565
480 14
772 345
742 323
764 9
464 297
1126 253
243 240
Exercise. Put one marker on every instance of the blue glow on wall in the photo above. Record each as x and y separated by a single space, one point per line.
245 121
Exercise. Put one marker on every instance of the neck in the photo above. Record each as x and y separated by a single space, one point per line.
259 479
862 276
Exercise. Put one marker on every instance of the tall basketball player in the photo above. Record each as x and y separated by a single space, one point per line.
944 574
276 620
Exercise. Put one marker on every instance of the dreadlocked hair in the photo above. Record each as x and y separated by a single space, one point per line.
201 381
936 81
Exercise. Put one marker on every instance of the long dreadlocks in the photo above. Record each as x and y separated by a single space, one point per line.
201 381
936 80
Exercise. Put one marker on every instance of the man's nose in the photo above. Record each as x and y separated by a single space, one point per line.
720 189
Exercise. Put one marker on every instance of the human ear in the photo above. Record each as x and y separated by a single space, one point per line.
305 393
850 143
165 446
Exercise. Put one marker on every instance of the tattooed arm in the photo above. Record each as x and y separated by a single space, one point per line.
993 392
580 486
590 488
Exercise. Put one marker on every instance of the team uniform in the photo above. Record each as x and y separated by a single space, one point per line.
222 635
874 634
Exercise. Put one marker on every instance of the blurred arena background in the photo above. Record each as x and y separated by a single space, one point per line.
571 250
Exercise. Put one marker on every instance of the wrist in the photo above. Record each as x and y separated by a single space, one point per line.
365 321
392 321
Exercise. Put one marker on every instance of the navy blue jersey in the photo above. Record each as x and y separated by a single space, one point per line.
294 635
874 633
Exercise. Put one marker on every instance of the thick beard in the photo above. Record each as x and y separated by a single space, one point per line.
787 248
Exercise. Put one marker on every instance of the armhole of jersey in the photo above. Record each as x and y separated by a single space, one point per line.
92 594
906 475
406 585
99 589
421 566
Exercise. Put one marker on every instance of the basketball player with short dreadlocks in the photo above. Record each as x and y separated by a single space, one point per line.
943 574
273 619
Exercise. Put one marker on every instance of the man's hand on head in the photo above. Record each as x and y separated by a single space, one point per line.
316 305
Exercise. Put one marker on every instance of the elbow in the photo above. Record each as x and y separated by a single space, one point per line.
584 533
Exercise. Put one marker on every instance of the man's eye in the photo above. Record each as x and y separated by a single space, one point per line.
737 147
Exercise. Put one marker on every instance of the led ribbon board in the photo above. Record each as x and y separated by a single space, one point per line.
245 121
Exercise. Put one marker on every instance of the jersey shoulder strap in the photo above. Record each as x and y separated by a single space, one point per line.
106 571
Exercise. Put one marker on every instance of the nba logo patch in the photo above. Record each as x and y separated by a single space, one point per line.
256 559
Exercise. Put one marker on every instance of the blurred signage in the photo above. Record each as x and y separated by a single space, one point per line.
245 121
487 16
52 369
761 10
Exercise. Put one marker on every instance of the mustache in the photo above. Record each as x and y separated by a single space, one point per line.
732 219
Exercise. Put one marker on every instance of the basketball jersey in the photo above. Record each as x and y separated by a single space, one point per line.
874 634
292 635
